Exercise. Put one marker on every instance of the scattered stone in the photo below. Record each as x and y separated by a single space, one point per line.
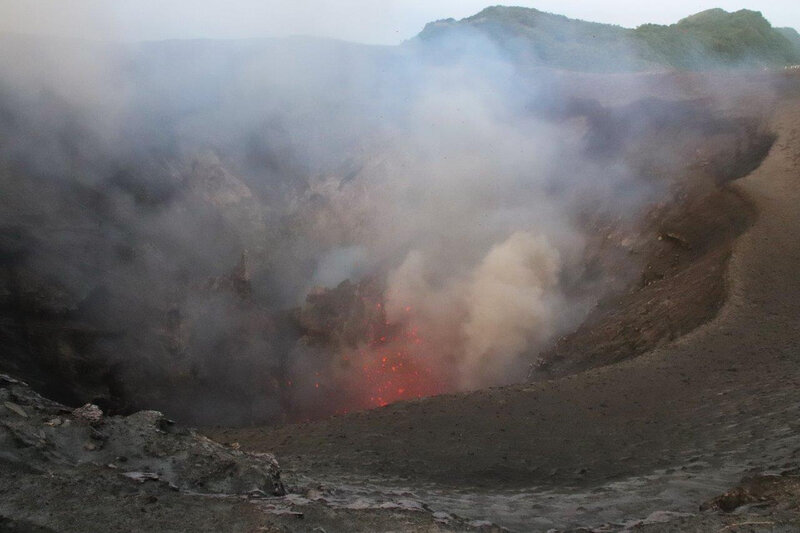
89 413
11 406
313 494
676 239
756 490
5 378
257 493
141 477
143 443
282 510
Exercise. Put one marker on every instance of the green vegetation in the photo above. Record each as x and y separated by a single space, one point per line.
711 39
718 38
791 34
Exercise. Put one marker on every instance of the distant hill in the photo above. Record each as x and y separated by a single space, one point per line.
718 38
710 39
791 34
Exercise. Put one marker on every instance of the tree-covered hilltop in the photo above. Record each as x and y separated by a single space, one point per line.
718 38
791 34
710 39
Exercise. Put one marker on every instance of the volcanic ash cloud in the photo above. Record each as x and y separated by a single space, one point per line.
511 301
479 324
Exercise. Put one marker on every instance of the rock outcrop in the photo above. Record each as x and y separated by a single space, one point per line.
43 436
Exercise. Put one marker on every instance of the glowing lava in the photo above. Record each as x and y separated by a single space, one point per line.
395 368
376 362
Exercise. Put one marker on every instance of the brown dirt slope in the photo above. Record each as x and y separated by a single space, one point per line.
726 386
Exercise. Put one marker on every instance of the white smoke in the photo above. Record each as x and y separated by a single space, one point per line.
461 184
480 321
512 301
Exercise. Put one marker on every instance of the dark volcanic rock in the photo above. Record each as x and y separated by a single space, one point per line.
764 490
80 471
43 435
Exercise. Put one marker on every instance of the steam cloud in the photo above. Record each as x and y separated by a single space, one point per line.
511 302
137 175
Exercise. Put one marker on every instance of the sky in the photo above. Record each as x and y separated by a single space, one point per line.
365 21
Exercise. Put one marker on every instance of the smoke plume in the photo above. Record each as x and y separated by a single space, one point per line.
269 229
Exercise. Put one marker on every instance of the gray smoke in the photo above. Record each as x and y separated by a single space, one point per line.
136 176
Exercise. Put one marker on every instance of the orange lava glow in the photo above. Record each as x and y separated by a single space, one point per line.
394 366
393 363
394 369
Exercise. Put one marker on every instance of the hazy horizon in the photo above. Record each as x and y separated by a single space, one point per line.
385 22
